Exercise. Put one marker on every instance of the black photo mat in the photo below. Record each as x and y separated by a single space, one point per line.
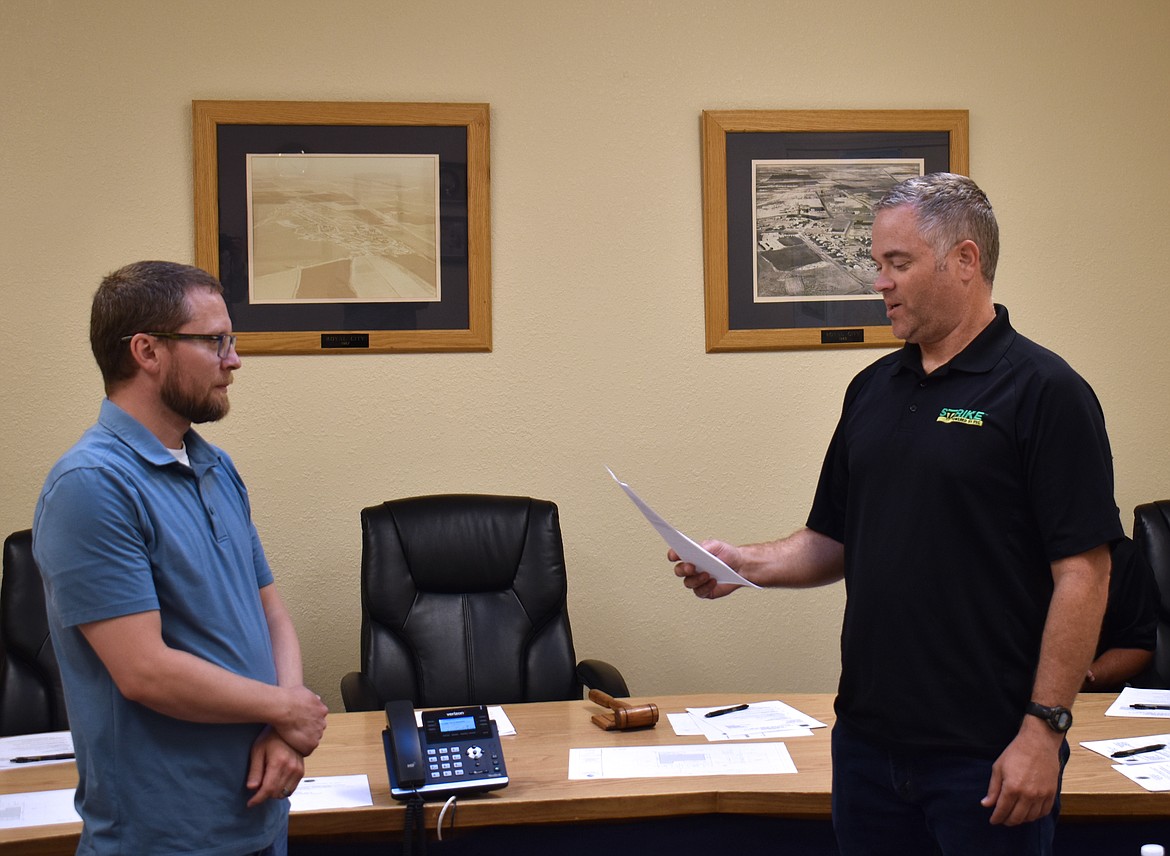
744 313
235 142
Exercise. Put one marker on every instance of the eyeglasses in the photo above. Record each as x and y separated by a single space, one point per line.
225 342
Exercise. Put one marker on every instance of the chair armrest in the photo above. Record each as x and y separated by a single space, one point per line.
358 693
600 675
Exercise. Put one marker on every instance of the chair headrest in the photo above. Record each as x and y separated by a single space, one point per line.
464 543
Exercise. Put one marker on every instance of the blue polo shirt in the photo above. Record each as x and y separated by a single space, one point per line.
121 527
953 493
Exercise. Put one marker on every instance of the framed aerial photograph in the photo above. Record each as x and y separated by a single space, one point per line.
346 227
787 219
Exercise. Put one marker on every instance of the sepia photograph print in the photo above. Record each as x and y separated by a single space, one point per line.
813 223
358 228
787 219
344 227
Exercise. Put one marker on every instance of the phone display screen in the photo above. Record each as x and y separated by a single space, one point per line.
462 723
456 723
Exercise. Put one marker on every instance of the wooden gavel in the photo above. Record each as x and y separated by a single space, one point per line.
622 715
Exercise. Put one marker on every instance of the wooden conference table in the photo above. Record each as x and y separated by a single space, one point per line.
540 793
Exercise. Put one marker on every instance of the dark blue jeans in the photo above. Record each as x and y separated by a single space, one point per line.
899 803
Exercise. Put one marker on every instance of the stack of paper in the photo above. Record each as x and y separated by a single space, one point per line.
767 720
31 750
1141 703
1145 760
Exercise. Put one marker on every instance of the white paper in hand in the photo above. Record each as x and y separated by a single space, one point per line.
686 549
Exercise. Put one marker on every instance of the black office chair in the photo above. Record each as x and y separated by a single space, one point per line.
1151 533
31 697
464 602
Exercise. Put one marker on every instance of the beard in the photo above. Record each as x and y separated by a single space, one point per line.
194 408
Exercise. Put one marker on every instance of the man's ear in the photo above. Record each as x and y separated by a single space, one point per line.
145 350
967 257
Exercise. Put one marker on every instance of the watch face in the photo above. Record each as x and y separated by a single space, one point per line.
1061 719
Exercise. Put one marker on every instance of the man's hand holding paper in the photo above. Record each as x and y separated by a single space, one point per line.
702 581
712 576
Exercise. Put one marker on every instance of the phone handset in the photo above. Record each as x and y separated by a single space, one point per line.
403 746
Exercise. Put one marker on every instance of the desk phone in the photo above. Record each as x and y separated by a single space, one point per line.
456 751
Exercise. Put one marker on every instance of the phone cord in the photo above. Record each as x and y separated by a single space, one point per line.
415 823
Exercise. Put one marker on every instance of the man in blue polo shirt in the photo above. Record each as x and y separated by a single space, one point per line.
181 667
966 499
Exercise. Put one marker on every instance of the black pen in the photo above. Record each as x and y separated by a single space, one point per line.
30 759
1149 707
1141 750
725 710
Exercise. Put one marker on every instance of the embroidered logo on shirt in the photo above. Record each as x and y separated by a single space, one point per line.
963 417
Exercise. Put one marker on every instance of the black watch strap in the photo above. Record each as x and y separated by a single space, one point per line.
1058 718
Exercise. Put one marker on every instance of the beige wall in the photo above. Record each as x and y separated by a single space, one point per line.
597 271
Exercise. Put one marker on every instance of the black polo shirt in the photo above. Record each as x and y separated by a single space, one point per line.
1131 619
952 493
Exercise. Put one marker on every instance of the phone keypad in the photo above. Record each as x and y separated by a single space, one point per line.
456 761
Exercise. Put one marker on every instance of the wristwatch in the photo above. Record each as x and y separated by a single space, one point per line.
1059 719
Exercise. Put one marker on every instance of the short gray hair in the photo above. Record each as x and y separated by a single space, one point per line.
951 208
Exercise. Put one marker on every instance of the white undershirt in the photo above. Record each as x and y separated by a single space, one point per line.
181 455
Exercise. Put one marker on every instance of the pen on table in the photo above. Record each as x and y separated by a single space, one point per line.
724 710
1141 750
29 759
1149 707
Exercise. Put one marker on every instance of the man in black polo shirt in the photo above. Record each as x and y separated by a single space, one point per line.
966 499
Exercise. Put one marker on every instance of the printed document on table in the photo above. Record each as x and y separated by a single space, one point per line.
1158 701
684 724
38 808
643 762
503 724
687 549
36 745
760 720
1127 744
319 792
1152 777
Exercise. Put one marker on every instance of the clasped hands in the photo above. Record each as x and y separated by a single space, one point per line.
277 761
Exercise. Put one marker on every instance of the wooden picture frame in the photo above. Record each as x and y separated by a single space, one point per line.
739 146
386 250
